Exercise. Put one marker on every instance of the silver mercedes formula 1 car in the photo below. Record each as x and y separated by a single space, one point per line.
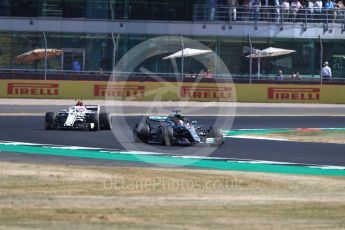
176 130
79 117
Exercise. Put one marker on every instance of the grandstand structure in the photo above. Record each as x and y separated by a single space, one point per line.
100 32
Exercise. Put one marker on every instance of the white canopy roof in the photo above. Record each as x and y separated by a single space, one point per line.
187 52
271 52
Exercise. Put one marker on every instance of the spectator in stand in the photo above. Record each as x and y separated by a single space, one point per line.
335 10
285 9
265 13
302 3
277 4
245 12
208 74
310 9
295 7
340 9
254 6
279 76
296 76
76 65
232 9
318 9
326 72
340 5
213 5
330 10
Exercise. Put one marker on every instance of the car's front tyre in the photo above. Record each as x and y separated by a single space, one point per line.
49 122
166 133
93 122
105 121
217 134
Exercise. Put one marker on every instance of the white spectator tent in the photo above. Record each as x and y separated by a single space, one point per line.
187 52
269 52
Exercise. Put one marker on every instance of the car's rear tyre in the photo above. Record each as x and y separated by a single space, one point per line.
49 122
142 132
105 121
167 135
94 118
216 133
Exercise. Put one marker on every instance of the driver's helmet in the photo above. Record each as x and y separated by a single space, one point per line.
80 103
179 116
178 119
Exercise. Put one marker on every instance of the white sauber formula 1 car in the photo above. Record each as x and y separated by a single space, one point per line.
79 117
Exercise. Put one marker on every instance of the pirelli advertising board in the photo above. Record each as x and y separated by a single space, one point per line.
167 91
32 89
148 91
269 93
303 94
43 89
204 92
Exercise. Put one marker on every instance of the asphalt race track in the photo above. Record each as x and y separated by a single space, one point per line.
30 129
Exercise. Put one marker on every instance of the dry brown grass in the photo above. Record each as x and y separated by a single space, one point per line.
335 137
56 197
